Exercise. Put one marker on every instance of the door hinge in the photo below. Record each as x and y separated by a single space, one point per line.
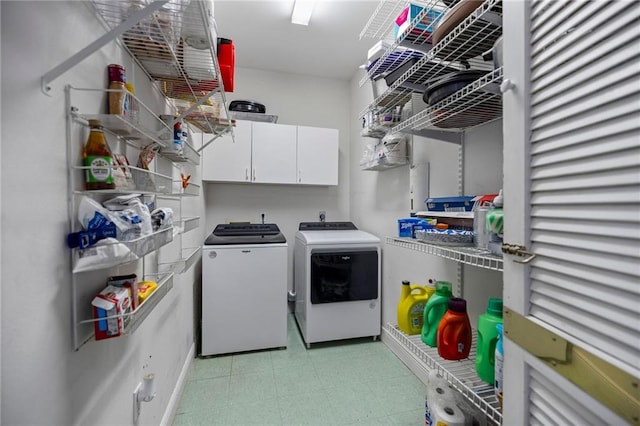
518 250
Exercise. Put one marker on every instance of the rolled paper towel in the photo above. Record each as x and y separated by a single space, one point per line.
446 413
439 394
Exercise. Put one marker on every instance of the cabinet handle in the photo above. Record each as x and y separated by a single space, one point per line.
246 173
254 173
246 251
299 175
506 85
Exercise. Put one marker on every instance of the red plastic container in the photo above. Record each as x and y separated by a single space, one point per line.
454 331
226 60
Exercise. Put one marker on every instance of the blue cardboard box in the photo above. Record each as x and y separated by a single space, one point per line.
450 204
405 226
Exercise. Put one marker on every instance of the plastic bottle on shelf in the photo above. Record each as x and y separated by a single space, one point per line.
97 157
411 307
499 355
454 331
495 225
433 311
117 81
132 108
487 339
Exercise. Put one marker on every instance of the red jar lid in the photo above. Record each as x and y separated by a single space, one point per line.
117 73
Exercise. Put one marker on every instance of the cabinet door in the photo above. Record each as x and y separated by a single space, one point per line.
274 153
571 161
226 160
317 156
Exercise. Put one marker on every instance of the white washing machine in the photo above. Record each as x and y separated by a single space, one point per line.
244 289
337 282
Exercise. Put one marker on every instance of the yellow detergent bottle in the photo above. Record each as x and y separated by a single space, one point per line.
411 307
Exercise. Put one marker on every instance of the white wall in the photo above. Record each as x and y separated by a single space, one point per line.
297 100
44 381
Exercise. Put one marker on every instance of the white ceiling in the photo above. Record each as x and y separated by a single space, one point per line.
264 37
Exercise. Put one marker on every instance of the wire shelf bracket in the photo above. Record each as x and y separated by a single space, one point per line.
108 37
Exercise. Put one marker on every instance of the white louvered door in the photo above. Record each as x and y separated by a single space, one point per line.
572 195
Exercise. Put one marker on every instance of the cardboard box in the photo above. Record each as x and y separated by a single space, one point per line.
114 305
129 282
407 227
424 28
450 204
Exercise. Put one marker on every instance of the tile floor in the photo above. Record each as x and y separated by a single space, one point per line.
355 381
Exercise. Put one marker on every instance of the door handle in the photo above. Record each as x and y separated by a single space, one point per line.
506 85
518 250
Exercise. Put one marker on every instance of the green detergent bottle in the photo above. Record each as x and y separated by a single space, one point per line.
433 312
487 339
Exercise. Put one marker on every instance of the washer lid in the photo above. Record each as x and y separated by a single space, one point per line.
326 226
336 237
245 233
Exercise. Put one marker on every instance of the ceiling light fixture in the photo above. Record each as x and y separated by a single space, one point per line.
302 10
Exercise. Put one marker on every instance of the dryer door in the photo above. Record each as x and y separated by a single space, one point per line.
344 276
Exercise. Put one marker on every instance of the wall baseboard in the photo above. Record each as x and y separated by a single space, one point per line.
172 406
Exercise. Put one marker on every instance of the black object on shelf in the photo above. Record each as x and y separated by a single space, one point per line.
400 70
442 87
247 106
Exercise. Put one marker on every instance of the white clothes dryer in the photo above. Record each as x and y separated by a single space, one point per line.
337 282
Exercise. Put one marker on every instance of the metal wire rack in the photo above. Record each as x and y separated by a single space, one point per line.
466 255
175 46
416 36
458 50
381 21
477 103
461 374
136 317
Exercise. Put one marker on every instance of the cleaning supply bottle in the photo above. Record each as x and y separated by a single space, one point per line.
495 225
411 307
499 364
433 311
487 339
133 109
454 331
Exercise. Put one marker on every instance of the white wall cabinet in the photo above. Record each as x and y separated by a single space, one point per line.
229 161
273 153
317 156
